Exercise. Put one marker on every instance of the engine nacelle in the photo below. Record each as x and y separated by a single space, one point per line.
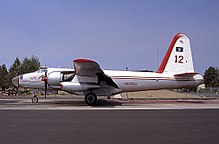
54 79
72 87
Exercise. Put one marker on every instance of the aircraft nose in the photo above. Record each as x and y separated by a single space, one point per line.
15 81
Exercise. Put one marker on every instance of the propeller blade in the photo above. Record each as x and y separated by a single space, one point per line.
45 92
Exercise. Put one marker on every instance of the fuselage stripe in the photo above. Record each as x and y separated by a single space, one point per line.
152 78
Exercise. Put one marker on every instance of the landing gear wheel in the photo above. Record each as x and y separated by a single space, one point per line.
91 99
35 99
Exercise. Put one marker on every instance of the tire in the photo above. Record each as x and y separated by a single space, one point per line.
91 99
35 99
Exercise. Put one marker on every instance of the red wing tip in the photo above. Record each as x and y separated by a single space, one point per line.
82 60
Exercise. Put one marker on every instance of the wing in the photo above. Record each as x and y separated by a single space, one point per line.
89 73
84 67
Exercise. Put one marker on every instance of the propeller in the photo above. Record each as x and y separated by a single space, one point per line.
45 79
46 82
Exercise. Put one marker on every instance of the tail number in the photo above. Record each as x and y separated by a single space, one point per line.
179 59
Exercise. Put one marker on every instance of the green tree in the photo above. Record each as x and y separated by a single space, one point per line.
211 77
15 69
30 65
4 78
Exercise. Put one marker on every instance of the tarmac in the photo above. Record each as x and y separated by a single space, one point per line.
77 103
67 119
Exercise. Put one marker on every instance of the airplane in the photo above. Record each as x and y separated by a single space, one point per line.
175 71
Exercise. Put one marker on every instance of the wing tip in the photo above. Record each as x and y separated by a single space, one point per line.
82 60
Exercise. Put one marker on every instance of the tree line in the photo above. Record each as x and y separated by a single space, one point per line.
18 67
211 77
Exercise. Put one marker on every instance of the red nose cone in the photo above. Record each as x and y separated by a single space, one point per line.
61 86
43 79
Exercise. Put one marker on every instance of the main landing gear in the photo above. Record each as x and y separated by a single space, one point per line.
91 99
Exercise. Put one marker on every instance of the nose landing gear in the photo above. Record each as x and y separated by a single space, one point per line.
35 98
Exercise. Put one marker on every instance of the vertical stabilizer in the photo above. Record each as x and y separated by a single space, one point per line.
178 58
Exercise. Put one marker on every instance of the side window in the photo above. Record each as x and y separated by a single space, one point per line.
42 71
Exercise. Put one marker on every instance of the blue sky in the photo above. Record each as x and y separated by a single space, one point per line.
115 33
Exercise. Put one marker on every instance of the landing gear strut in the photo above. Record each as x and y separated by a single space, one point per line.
91 99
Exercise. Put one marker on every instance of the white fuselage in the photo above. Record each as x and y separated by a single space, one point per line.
129 81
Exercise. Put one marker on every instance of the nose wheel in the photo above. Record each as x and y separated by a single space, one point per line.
91 99
35 99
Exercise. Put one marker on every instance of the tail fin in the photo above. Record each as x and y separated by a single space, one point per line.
178 58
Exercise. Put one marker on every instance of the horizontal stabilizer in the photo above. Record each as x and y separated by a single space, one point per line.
185 74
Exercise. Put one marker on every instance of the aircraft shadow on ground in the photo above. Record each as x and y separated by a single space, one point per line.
100 103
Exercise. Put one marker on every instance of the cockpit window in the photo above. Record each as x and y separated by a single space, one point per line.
41 71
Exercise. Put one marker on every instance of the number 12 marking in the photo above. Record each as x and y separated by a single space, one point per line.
179 59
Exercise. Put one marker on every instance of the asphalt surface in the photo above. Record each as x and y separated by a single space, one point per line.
77 103
65 120
109 127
